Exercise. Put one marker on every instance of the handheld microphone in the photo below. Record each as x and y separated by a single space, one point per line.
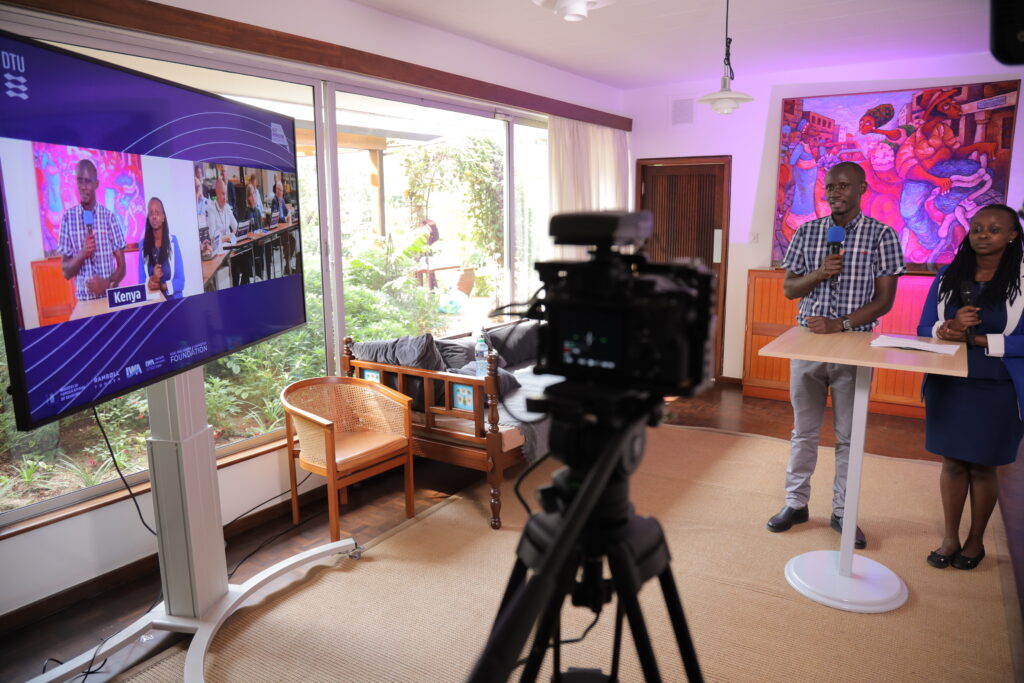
89 218
836 237
967 297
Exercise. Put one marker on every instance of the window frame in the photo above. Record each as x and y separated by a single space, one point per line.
325 82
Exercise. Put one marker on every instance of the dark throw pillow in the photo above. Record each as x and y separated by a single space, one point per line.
507 382
455 352
516 343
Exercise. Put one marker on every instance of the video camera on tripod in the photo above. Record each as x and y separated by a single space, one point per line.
618 319
624 333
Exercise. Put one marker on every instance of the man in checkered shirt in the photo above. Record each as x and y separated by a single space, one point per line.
845 291
91 240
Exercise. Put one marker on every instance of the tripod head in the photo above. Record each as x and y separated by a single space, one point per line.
577 410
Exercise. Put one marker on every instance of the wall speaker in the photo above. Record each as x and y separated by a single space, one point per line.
682 111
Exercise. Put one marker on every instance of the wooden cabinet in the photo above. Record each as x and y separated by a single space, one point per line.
770 313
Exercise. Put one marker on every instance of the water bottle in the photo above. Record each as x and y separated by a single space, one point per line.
480 354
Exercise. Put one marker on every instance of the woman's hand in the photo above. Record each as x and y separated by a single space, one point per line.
966 316
154 283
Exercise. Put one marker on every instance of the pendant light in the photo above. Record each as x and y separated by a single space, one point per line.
726 100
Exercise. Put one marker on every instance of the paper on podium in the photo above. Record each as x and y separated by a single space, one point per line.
901 341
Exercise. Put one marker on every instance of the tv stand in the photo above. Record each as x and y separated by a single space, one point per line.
190 534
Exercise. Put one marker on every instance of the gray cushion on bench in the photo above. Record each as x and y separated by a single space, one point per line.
412 352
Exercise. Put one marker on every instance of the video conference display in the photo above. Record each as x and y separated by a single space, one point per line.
147 228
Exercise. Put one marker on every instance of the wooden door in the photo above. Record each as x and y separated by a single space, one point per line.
689 200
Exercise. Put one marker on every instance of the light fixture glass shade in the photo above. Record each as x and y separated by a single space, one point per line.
726 100
572 10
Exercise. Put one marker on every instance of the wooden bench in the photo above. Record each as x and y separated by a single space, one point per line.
462 427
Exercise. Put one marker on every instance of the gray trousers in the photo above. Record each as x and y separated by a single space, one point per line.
809 384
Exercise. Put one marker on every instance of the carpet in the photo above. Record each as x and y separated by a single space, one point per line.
419 604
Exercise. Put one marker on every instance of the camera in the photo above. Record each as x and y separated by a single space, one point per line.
619 320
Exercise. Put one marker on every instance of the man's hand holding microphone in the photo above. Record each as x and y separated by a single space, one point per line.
829 270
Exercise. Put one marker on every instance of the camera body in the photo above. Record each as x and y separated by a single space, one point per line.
618 320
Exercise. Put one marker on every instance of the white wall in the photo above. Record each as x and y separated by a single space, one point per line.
40 563
750 136
363 28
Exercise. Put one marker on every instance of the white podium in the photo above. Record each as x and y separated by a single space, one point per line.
840 578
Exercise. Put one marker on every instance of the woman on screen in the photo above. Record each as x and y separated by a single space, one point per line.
974 422
160 263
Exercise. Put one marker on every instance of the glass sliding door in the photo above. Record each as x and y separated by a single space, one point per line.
421 194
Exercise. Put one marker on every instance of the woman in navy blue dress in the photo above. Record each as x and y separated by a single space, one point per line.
160 263
974 422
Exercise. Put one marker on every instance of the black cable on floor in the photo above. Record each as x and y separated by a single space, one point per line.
283 493
117 467
267 542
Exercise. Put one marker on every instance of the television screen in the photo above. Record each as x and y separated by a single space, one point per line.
122 200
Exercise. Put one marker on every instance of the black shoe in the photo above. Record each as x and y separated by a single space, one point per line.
859 541
787 517
938 560
961 561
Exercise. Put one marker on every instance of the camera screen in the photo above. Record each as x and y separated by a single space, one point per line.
590 339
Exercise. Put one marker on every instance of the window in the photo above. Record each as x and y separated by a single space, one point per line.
434 235
422 194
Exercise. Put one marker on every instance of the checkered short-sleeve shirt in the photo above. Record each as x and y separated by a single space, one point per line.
109 233
872 250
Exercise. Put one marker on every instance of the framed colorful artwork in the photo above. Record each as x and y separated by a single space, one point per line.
932 158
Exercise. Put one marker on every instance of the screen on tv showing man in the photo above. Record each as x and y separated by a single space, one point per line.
123 260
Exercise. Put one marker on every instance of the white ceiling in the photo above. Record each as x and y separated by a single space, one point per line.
638 43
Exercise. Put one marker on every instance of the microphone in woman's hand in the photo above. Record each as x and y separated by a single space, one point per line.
967 298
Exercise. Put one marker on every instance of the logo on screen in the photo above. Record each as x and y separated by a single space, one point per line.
277 135
132 370
14 85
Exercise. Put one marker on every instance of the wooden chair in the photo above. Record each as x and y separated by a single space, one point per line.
347 430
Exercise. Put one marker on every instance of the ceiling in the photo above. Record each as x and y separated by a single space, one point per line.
639 43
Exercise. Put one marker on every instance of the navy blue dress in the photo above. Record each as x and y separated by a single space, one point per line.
975 418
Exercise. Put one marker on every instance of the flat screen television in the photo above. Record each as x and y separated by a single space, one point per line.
115 245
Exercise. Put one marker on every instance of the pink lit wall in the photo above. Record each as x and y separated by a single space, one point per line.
750 136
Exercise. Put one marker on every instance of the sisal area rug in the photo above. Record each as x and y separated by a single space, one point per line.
419 604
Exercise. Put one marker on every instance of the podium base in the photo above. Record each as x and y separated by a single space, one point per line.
871 587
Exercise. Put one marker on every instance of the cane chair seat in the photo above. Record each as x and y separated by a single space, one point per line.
347 429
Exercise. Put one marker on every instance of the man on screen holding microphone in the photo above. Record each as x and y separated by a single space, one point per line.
91 240
843 268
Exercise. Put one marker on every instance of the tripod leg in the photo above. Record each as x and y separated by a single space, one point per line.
515 580
627 589
617 643
675 612
549 622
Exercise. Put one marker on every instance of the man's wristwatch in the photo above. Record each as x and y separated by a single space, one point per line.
847 325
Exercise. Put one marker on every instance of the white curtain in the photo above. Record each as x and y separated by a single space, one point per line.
589 167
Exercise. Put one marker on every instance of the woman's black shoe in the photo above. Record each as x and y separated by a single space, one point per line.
961 561
938 560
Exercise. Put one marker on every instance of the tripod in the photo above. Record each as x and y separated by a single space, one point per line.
588 517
